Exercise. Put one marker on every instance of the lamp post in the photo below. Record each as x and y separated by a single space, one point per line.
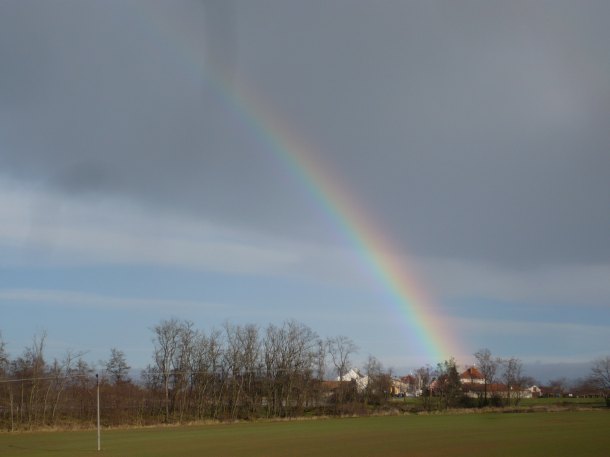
97 379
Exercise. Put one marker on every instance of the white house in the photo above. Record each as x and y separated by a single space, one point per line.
353 375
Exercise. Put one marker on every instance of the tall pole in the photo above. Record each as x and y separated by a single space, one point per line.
97 379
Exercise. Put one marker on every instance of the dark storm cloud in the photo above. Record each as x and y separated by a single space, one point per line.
470 129
114 97
477 129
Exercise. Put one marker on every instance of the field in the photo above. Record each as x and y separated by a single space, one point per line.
582 433
524 403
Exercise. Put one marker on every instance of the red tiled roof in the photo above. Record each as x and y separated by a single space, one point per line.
472 373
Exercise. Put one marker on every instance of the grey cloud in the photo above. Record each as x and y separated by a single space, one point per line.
476 130
469 129
549 285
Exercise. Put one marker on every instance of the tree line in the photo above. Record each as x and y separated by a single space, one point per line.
235 372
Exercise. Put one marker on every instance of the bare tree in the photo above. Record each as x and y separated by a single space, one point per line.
62 371
81 383
249 362
206 362
242 360
3 356
379 382
275 366
600 375
117 367
182 366
166 341
36 365
299 357
513 378
320 359
4 372
487 366
340 349
290 356
424 377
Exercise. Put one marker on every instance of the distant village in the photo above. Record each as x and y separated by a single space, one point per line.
472 385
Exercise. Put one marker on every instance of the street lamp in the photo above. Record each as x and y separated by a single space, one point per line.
97 380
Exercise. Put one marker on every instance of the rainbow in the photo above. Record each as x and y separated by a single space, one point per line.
407 297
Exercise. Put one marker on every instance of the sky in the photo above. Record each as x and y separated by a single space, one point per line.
426 178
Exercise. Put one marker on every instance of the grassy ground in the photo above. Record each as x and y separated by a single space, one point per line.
597 402
582 433
563 401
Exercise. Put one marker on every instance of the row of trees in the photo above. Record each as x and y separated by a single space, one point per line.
32 391
236 372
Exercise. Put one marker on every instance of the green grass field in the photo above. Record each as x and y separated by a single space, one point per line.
566 401
573 433
597 402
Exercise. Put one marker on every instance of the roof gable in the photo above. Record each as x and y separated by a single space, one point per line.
472 373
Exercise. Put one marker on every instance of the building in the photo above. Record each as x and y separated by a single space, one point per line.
472 376
360 380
